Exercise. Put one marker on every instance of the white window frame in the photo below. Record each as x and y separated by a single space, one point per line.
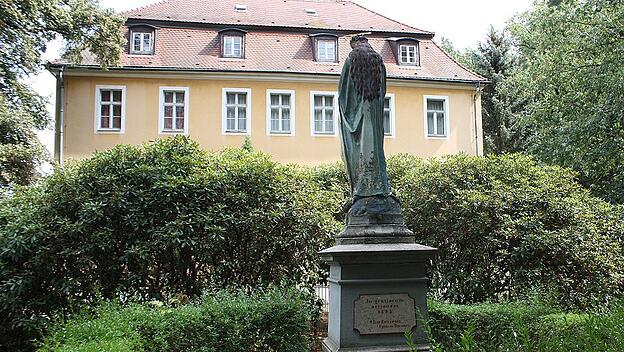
392 133
161 110
142 50
234 39
269 132
446 117
313 133
97 111
224 130
407 46
318 50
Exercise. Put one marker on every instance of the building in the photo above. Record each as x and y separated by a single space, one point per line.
221 70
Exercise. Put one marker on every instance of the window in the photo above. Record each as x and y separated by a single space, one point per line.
233 46
281 112
324 113
236 111
174 102
326 50
388 115
110 109
142 43
408 54
436 116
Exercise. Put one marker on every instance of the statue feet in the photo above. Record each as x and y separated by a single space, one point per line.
375 219
375 210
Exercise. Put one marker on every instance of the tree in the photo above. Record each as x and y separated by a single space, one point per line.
26 26
573 78
495 60
20 150
463 57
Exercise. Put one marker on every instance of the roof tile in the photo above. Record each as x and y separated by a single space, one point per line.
266 51
330 14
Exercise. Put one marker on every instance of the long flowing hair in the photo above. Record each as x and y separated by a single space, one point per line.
366 69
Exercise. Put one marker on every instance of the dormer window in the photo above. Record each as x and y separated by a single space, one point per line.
325 47
326 50
142 40
232 46
408 54
233 43
406 51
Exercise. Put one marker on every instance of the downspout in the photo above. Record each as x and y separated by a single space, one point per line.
61 114
476 125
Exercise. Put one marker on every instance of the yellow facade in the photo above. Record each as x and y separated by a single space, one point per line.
80 138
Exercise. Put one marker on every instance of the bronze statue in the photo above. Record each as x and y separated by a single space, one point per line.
362 90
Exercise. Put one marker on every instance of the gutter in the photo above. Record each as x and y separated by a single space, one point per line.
62 116
191 70
477 93
59 138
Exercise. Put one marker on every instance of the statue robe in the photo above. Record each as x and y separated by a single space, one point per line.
362 137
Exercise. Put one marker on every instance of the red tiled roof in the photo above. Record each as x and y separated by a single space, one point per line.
270 51
330 14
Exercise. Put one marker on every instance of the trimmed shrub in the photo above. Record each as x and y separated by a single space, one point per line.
273 321
155 221
523 327
507 226
491 325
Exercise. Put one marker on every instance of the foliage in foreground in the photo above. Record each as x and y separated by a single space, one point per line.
151 222
169 218
523 327
274 321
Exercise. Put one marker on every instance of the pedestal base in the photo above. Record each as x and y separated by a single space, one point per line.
328 347
372 286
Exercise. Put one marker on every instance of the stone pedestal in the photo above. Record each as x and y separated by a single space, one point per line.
373 289
377 281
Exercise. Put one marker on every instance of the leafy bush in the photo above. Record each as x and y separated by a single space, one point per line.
154 221
272 321
523 327
506 226
490 325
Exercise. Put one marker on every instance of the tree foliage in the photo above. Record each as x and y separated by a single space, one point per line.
20 149
573 78
26 27
495 59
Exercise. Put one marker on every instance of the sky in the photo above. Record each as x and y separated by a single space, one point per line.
463 22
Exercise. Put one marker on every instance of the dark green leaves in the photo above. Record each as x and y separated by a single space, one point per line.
572 77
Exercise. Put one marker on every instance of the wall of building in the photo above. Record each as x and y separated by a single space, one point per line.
205 117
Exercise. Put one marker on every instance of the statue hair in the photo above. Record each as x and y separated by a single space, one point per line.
366 68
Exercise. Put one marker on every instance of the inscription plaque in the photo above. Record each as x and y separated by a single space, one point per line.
384 314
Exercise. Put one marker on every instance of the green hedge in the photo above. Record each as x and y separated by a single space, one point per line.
506 226
523 327
273 321
154 221
169 218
